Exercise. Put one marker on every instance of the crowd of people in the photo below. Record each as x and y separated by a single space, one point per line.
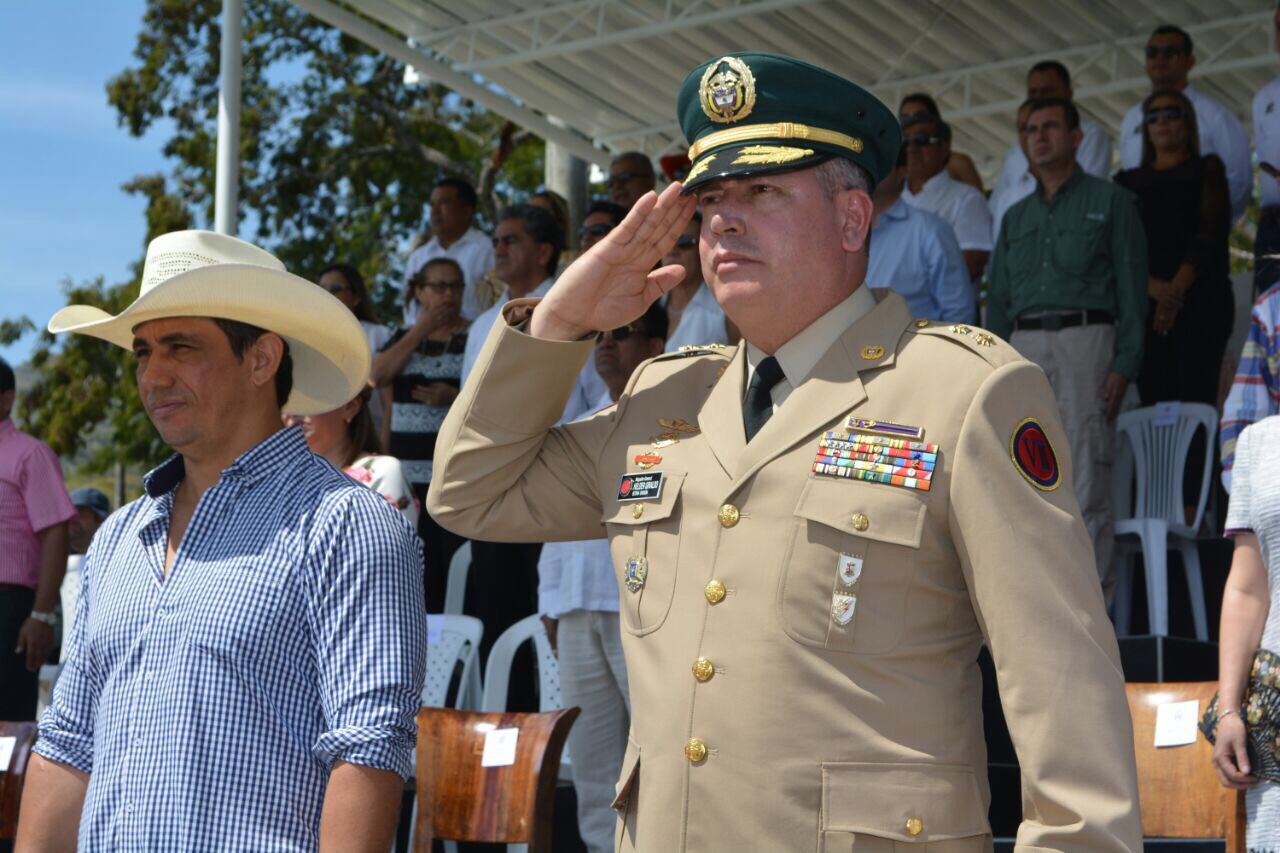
1116 285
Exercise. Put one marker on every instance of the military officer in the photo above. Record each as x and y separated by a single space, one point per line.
813 533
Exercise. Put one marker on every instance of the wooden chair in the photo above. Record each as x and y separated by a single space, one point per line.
11 780
1179 789
460 800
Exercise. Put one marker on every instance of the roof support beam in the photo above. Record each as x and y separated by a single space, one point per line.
464 84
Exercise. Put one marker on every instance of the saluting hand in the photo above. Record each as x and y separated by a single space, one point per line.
615 282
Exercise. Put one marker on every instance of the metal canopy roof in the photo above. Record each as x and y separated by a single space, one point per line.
600 76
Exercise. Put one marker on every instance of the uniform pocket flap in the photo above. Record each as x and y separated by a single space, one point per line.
906 802
629 777
645 511
870 511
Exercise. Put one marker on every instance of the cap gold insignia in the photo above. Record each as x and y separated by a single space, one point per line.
728 94
699 167
759 154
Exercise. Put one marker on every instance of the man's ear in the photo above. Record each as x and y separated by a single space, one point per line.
264 358
855 209
544 254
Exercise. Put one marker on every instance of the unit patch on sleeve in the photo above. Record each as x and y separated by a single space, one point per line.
1034 456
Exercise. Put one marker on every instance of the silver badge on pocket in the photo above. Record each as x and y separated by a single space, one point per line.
635 572
842 605
849 569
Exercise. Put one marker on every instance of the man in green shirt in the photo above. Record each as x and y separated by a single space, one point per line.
1068 288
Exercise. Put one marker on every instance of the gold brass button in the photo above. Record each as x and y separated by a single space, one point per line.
729 515
695 750
860 522
714 591
922 324
703 669
914 826
637 510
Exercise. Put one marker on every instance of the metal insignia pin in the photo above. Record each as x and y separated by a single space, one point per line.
842 607
679 425
849 569
645 461
635 573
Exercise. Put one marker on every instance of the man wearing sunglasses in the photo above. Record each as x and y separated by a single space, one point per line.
928 144
602 217
631 175
813 533
1169 61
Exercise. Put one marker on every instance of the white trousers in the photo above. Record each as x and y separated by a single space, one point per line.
1077 361
593 676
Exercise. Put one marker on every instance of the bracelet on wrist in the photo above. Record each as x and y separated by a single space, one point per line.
49 618
1222 715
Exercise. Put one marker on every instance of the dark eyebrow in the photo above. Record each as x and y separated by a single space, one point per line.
169 339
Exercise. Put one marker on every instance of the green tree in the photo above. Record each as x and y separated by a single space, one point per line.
338 157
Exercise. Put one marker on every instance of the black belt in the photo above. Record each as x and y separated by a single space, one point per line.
1062 320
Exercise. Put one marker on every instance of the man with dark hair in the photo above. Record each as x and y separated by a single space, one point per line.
218 691
929 187
1169 61
34 511
602 217
631 175
1068 288
1046 79
812 533
453 235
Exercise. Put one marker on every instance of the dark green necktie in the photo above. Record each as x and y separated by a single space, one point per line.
758 407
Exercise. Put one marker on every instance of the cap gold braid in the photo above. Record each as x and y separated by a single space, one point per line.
779 130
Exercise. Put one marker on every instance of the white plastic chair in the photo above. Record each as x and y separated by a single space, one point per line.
455 585
1153 455
452 639
497 672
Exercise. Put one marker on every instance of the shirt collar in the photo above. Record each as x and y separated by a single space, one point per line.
798 356
1077 175
264 458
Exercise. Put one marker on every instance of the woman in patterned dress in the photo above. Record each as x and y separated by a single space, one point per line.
421 367
1250 619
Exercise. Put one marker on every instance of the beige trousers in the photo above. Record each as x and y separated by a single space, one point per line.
1077 361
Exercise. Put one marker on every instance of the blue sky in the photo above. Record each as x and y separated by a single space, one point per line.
62 156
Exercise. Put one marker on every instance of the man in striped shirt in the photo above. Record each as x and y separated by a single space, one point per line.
249 648
1255 392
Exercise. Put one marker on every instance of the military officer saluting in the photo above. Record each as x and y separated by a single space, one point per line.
814 532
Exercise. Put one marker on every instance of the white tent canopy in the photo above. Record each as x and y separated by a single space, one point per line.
600 76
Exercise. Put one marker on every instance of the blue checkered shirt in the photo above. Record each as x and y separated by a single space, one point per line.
290 633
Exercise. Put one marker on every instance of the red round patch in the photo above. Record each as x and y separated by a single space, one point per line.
626 488
1033 455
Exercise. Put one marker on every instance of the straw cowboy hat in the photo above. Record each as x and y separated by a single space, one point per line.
203 274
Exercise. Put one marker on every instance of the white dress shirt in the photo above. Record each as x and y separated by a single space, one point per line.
800 355
702 322
1266 137
963 206
482 325
1221 133
1016 181
474 253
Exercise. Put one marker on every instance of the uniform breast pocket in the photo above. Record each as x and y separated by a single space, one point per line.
845 582
1070 239
644 542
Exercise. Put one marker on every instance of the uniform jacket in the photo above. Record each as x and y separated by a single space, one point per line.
820 736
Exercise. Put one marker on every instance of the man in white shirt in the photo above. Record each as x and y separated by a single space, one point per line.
928 142
578 600
1048 79
453 210
1266 141
1169 60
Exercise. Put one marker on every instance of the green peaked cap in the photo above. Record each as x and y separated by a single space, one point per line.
757 113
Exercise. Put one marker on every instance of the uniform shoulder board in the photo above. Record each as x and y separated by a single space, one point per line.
691 350
991 347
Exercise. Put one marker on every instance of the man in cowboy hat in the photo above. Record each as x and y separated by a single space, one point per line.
245 665
812 533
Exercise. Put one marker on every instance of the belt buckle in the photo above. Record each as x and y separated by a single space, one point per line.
1051 322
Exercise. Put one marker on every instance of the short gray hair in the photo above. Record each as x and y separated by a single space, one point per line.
839 174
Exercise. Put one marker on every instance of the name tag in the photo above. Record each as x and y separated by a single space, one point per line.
640 487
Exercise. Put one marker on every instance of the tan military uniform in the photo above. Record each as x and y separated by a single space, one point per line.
760 722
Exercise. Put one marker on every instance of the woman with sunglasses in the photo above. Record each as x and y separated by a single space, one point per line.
419 372
1185 208
347 285
693 315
